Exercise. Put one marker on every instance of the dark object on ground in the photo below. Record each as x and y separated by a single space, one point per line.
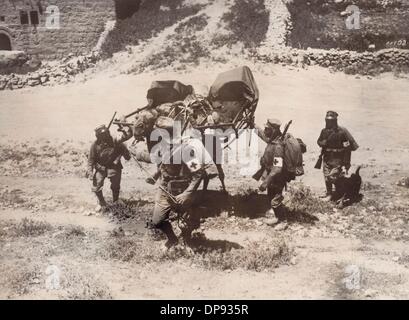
347 189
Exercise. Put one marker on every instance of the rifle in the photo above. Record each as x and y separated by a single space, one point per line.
137 111
129 124
171 197
257 176
112 120
318 165
286 129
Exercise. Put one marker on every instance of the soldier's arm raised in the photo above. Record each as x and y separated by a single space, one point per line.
260 133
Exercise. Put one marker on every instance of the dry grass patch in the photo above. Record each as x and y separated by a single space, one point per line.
257 256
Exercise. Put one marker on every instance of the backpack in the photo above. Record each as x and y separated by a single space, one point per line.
302 145
293 155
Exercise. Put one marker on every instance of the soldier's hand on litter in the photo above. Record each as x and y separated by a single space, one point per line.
182 198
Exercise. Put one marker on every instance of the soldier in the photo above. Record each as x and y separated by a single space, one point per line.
105 158
337 144
183 164
275 172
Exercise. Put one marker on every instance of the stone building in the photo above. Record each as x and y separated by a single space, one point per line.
50 29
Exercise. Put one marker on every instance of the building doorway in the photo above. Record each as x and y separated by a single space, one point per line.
5 42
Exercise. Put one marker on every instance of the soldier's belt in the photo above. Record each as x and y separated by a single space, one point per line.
334 150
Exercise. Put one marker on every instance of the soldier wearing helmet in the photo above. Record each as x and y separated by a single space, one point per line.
337 144
104 161
274 171
183 162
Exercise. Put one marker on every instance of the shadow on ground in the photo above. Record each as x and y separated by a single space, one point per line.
301 217
199 243
212 203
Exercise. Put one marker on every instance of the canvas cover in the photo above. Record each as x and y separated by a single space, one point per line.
235 85
167 91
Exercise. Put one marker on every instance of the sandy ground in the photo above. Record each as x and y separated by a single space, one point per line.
376 112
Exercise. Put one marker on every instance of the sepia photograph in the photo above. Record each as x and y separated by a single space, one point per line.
206 150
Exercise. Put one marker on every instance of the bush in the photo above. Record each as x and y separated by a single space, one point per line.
248 20
31 228
301 199
184 46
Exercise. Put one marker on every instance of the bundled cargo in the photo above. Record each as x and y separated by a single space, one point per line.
231 102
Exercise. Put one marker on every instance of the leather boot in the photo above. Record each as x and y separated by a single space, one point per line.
167 229
328 192
101 199
280 213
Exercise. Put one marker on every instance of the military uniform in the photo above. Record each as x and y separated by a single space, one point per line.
179 176
276 174
337 144
105 158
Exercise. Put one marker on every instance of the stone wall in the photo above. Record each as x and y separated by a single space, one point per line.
81 23
51 73
350 62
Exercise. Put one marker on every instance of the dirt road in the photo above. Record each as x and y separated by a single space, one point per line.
95 262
